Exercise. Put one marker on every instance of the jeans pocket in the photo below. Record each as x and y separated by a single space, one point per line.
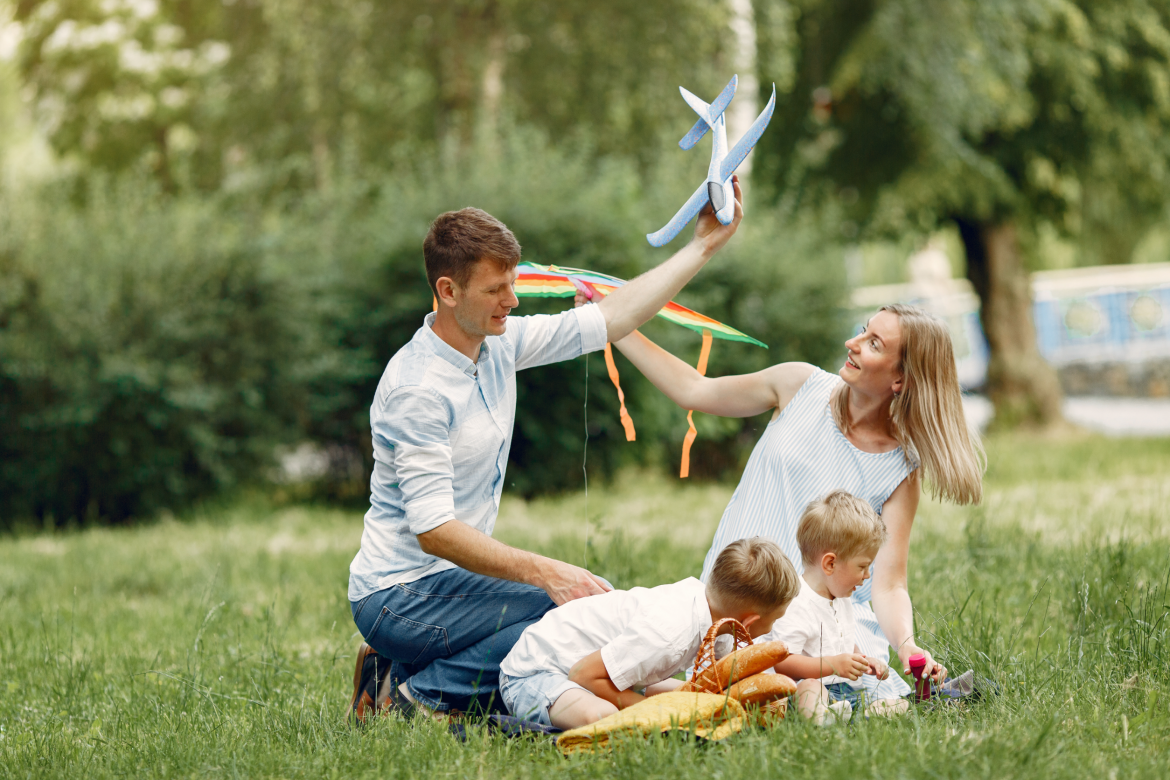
409 641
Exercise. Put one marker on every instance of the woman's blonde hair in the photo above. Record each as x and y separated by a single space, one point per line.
926 417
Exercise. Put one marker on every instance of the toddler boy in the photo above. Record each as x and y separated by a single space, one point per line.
839 536
589 658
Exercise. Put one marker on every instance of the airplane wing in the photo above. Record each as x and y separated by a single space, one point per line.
738 152
701 127
688 212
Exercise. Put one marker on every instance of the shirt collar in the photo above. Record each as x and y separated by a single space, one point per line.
702 609
804 586
448 352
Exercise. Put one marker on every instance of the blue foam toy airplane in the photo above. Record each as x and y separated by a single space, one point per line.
717 188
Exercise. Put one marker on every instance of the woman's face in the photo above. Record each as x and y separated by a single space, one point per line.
871 366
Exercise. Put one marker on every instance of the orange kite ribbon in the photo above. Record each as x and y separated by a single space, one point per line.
589 290
704 353
627 421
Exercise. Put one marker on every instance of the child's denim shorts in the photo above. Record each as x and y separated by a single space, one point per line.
842 691
530 697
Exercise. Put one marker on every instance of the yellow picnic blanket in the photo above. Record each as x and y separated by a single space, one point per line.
708 715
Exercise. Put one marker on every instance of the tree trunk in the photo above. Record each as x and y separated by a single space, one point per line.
492 83
743 109
1021 385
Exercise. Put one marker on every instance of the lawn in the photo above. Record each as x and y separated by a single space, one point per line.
221 644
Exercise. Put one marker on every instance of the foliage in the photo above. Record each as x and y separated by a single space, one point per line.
157 348
999 117
309 146
914 112
223 644
296 92
146 356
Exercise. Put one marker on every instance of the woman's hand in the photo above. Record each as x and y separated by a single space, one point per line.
710 233
934 670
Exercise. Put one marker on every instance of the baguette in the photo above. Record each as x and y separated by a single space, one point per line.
742 663
762 688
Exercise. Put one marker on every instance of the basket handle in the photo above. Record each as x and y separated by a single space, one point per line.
705 658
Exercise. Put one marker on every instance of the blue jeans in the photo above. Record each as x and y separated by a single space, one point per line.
446 634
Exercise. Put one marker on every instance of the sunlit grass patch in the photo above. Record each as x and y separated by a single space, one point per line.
221 644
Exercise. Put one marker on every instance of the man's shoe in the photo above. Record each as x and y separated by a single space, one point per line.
390 699
371 671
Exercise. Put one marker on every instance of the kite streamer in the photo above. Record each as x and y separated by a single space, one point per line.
704 353
627 421
552 281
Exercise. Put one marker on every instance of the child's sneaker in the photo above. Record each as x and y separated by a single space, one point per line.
837 712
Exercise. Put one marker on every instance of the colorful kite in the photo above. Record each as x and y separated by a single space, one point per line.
553 281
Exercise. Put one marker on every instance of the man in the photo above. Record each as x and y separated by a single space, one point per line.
439 602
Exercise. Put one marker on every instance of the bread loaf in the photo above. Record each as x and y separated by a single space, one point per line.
762 688
738 665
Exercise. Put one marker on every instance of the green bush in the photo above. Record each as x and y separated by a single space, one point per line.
156 349
147 355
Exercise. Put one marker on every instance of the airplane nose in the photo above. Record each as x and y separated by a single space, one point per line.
715 192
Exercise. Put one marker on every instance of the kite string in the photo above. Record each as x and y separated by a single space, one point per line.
584 456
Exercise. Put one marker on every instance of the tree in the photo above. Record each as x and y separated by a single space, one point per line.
994 115
285 94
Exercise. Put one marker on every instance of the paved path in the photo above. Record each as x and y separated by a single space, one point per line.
1110 416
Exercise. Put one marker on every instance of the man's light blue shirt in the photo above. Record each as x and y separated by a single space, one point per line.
442 428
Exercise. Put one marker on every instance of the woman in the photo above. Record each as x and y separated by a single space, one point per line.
892 417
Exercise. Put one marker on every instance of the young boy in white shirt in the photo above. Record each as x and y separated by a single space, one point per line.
591 657
839 536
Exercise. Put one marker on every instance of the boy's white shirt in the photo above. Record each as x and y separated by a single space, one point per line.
817 627
645 635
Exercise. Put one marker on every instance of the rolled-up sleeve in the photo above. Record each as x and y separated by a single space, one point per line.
415 425
541 339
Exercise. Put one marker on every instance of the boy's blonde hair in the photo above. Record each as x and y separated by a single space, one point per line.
753 573
839 523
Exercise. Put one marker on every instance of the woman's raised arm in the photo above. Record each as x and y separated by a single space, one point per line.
741 395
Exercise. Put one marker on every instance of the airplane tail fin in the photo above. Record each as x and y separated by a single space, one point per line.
708 114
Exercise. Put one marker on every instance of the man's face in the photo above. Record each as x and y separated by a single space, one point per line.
482 307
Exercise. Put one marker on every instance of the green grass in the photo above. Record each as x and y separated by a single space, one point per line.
222 645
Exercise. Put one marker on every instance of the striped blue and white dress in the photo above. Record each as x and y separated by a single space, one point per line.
802 456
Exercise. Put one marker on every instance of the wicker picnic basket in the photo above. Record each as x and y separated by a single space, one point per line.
744 673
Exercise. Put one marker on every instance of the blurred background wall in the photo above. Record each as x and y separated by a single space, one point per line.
211 214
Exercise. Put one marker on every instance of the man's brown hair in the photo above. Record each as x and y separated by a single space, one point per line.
753 573
458 239
839 523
